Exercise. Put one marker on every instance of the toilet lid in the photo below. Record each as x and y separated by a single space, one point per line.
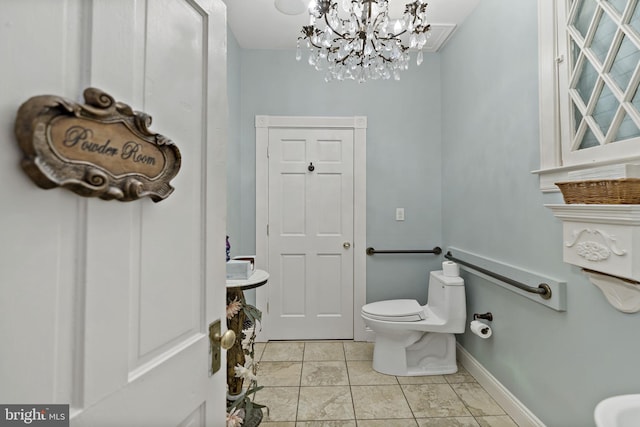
397 310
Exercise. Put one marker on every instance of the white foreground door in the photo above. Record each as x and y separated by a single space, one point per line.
113 300
311 191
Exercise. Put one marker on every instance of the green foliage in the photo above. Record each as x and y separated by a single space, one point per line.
252 313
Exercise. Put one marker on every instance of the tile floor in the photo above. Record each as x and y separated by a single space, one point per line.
332 384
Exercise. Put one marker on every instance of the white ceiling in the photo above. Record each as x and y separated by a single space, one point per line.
257 24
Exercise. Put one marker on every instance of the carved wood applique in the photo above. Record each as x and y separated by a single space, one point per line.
100 149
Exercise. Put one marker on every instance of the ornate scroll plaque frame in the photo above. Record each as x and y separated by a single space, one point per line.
100 149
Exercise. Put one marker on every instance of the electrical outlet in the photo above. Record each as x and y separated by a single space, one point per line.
399 214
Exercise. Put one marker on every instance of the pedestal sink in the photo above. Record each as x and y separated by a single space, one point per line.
618 411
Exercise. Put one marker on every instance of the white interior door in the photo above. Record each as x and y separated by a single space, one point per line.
311 229
117 297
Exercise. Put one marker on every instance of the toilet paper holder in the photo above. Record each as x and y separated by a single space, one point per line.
486 316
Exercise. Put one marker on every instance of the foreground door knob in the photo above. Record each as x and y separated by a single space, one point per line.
217 341
227 339
346 245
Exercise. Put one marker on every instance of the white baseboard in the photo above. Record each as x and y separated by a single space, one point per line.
512 406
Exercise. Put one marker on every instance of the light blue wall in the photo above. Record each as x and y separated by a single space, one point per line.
403 156
558 364
234 190
454 143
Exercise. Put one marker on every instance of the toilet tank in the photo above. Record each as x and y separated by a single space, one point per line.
446 299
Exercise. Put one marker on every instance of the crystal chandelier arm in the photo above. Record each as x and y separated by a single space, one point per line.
417 10
326 20
332 49
378 18
381 55
321 11
357 53
391 36
359 23
308 31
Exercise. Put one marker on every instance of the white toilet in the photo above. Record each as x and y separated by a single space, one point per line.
418 340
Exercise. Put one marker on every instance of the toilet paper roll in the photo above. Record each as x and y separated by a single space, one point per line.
480 329
450 269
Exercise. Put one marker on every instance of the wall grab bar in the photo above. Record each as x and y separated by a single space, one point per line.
543 289
436 250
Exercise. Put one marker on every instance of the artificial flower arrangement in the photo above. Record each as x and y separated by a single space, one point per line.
243 409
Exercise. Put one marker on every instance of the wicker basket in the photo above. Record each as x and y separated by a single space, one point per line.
625 191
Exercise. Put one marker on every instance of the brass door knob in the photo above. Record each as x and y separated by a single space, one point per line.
346 245
227 339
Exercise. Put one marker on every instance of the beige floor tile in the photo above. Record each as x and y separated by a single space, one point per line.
405 422
358 350
323 351
349 423
324 373
274 374
496 421
282 403
379 402
325 403
333 384
361 373
462 376
426 379
283 352
477 399
448 422
258 348
434 400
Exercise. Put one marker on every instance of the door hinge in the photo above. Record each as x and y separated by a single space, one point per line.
267 229
267 151
267 307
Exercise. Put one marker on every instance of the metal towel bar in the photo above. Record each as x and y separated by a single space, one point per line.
543 289
436 250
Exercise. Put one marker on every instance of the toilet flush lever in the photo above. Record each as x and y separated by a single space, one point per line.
346 245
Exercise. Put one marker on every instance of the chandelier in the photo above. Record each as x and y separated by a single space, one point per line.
359 41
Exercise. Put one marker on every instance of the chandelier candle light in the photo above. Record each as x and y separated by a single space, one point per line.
359 41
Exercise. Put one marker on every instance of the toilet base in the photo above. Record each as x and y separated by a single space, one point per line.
415 353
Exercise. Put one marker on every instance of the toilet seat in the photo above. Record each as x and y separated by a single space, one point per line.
398 310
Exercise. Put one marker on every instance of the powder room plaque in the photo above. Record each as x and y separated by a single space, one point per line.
100 149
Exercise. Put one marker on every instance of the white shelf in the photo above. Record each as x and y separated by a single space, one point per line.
258 278
604 239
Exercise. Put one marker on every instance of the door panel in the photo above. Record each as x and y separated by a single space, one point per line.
164 277
293 296
310 218
173 282
329 303
121 293
329 204
293 190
